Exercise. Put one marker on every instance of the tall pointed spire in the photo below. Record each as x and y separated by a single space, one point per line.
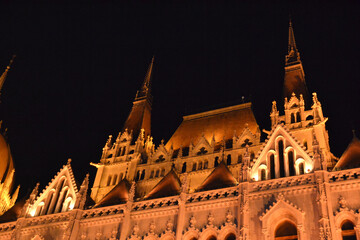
293 55
3 76
145 90
140 115
294 81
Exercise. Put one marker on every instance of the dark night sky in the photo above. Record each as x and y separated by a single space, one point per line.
78 67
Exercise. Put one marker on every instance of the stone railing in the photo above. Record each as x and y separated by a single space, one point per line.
283 182
212 194
343 175
155 203
105 211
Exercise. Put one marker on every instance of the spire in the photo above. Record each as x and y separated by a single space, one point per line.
293 55
294 80
140 114
3 76
145 90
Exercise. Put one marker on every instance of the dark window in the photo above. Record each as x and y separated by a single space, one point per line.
183 167
305 145
272 166
252 156
157 173
206 164
137 176
301 168
142 175
263 174
229 143
152 174
347 231
286 230
281 158
194 167
216 162
162 172
298 118
202 151
200 165
230 236
292 118
228 160
291 163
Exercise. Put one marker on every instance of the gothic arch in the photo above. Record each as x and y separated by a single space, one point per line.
300 169
207 233
343 216
226 231
191 234
279 212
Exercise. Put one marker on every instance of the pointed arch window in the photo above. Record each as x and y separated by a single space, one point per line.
183 169
281 158
230 236
121 177
137 175
200 165
240 158
305 145
142 175
291 163
262 174
162 172
216 162
348 231
301 168
286 231
157 173
292 116
194 167
298 117
272 166
152 174
206 163
228 160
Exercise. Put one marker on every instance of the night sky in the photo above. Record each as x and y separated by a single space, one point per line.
79 66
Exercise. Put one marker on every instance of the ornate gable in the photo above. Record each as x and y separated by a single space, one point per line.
246 137
58 196
281 155
161 154
203 146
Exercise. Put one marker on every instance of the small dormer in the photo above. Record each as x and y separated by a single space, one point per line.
294 111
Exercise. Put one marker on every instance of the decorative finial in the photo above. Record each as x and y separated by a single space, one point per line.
69 161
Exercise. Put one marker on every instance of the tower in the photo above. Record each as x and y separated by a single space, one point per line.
303 122
120 158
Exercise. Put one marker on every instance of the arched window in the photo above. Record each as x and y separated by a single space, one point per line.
230 236
281 158
301 168
200 165
137 176
211 238
183 167
108 181
39 209
272 166
286 230
121 176
48 202
228 160
194 167
152 174
162 172
298 117
347 230
291 163
240 158
262 174
157 173
114 179
292 118
123 151
216 162
62 198
142 175
206 164
55 199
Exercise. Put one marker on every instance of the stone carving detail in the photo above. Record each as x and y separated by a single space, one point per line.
229 217
210 220
342 204
169 226
192 223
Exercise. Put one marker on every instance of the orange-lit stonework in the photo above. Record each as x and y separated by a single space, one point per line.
214 178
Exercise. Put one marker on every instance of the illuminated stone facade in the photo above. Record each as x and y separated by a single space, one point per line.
7 170
214 179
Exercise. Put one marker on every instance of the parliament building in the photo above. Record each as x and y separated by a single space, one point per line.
213 179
